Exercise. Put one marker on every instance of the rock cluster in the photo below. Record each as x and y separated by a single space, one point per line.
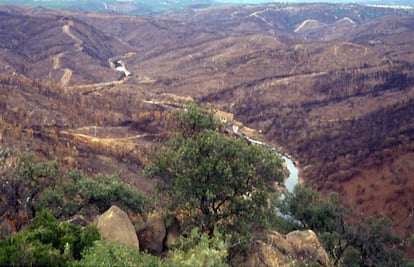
297 247
115 225
301 247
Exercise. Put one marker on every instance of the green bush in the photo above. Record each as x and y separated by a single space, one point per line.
351 257
23 250
114 254
105 190
80 192
22 181
51 199
46 242
199 250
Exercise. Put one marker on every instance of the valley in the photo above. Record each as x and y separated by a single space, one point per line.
330 85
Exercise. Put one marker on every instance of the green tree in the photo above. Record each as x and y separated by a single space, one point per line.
374 240
216 180
308 209
367 243
194 121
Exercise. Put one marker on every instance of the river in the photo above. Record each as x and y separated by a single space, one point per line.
293 178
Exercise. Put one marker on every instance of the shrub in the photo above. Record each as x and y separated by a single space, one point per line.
198 250
22 180
114 254
46 242
103 191
82 192
51 199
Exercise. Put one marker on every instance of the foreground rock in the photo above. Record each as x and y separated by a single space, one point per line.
151 235
115 225
306 245
173 233
298 247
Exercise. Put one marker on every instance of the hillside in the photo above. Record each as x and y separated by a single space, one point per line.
332 85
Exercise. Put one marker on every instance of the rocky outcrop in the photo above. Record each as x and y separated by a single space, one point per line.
266 255
307 247
298 247
151 235
115 225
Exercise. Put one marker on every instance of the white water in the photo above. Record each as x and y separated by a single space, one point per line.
121 67
293 177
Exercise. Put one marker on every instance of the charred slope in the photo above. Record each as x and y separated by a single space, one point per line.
47 46
110 132
353 133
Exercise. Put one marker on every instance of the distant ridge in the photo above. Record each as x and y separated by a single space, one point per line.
148 7
133 7
392 3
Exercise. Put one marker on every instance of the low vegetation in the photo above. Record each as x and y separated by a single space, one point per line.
30 186
46 242
79 192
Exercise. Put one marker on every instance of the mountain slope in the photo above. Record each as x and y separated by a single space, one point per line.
337 97
55 47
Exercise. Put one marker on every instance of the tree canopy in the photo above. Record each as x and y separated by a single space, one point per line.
215 179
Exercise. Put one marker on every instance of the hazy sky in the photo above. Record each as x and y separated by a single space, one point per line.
394 2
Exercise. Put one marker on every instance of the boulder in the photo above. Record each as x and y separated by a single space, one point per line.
151 235
173 233
307 247
297 248
115 225
278 241
266 255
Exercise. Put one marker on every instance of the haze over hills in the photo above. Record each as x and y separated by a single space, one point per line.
141 7
363 2
331 85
